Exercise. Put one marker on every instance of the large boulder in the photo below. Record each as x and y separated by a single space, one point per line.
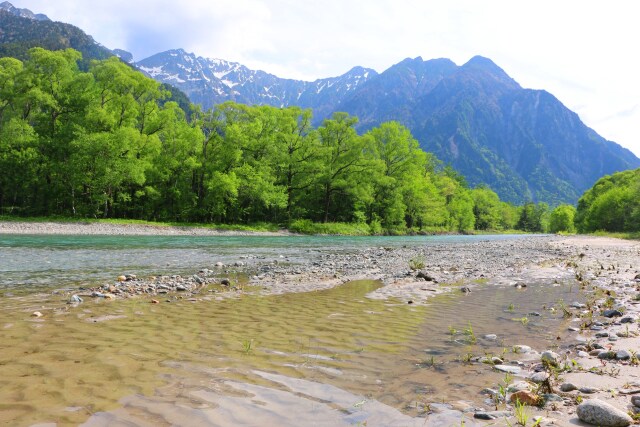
599 413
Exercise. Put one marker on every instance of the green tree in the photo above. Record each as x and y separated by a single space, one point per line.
486 209
561 219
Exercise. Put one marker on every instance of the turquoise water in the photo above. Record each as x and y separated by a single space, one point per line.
57 260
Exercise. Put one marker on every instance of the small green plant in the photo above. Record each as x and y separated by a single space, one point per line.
511 308
524 320
247 347
521 413
466 358
508 377
468 331
417 262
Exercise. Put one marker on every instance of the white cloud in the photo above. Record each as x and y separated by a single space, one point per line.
581 51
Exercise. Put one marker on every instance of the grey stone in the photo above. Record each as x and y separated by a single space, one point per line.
520 385
75 299
635 400
612 313
623 355
508 368
521 349
539 377
628 319
567 387
606 355
588 390
550 357
491 337
583 354
597 412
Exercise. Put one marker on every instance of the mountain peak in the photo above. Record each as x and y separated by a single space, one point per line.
482 64
23 13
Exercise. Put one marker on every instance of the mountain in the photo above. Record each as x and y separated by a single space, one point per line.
22 13
20 30
212 81
524 144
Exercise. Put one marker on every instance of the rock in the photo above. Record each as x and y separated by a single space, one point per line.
596 328
520 385
122 278
539 377
606 355
602 334
613 338
181 288
623 355
490 392
130 277
612 313
628 319
465 289
567 387
425 276
75 299
550 357
155 301
225 282
521 349
535 314
491 337
597 412
98 295
574 329
578 305
36 314
635 400
491 415
508 368
588 390
484 416
520 285
219 264
583 354
525 397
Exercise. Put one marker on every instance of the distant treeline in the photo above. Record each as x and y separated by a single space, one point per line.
108 143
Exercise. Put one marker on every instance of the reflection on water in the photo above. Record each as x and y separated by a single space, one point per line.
330 357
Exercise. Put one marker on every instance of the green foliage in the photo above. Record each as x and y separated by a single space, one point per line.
305 226
612 204
104 141
487 209
534 218
562 219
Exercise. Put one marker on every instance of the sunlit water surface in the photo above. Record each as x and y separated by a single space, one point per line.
326 358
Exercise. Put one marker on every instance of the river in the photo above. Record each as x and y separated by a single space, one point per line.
325 358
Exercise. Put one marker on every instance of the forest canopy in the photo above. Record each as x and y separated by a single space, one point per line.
110 142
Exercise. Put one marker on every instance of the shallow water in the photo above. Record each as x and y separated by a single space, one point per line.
47 261
325 358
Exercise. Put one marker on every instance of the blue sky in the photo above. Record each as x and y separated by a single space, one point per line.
583 52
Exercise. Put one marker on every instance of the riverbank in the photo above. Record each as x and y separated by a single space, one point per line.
115 229
605 270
